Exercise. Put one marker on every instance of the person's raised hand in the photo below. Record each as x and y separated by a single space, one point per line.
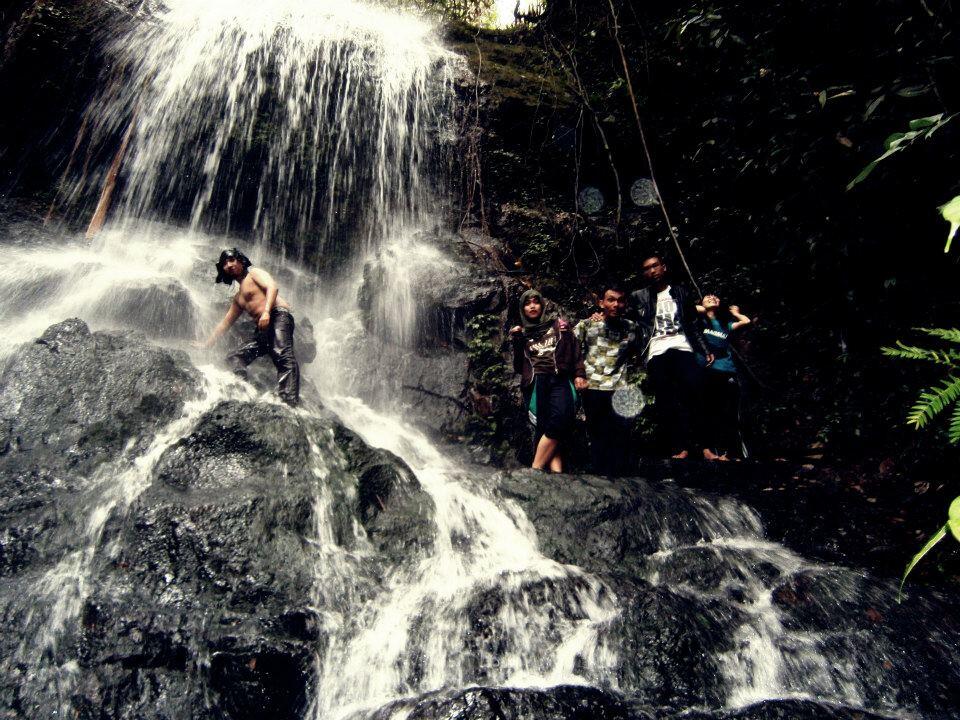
580 383
596 317
710 359
516 330
264 322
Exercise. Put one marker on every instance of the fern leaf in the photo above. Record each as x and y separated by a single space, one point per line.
954 432
933 401
910 352
949 334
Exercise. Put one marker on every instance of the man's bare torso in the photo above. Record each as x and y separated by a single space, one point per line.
252 299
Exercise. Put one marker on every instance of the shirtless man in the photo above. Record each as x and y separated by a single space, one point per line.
258 296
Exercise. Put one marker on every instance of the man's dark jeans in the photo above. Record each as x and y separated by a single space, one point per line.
277 342
677 381
609 433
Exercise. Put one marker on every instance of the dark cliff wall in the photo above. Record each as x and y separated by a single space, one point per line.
757 117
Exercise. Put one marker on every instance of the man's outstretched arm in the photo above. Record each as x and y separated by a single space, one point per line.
229 319
265 282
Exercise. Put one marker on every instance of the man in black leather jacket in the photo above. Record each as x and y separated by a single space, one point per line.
671 339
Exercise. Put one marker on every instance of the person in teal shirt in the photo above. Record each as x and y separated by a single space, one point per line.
722 384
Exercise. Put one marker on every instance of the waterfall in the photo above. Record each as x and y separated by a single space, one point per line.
412 639
315 130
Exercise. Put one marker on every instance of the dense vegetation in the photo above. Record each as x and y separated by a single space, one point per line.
756 119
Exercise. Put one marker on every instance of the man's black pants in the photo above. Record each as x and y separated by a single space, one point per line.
609 433
277 342
677 381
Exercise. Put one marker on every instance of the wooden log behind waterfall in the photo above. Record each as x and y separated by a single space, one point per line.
100 215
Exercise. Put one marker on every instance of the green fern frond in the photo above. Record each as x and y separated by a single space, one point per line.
949 334
954 432
933 401
911 352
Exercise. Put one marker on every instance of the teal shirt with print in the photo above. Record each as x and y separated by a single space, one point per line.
717 337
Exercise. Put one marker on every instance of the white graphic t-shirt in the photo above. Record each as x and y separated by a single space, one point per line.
667 333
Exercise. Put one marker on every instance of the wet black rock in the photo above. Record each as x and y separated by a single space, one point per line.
431 379
394 510
695 578
158 310
72 401
218 560
669 646
430 383
202 598
911 657
602 525
786 710
560 703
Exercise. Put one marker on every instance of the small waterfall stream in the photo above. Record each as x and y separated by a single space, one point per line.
315 131
411 640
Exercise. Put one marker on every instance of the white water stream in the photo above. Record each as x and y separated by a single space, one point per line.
342 104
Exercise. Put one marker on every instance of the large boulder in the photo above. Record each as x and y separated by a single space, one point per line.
252 528
71 402
247 537
159 309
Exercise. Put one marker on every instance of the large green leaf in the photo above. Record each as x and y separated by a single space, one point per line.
938 536
953 518
951 213
925 122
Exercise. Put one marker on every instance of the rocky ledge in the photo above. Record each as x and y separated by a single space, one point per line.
198 596
170 548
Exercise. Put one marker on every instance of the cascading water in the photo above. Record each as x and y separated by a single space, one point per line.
314 130
411 639
318 141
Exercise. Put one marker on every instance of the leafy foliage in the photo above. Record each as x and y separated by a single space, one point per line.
490 405
919 129
935 399
932 402
937 537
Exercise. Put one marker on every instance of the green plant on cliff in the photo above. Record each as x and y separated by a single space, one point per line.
489 400
936 400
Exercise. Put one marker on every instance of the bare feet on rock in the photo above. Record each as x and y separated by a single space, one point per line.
682 455
709 454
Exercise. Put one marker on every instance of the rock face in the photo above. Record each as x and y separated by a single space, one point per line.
173 549
698 587
161 310
581 703
71 402
201 596
431 379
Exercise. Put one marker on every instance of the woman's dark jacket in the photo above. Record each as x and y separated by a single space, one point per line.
644 310
567 358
